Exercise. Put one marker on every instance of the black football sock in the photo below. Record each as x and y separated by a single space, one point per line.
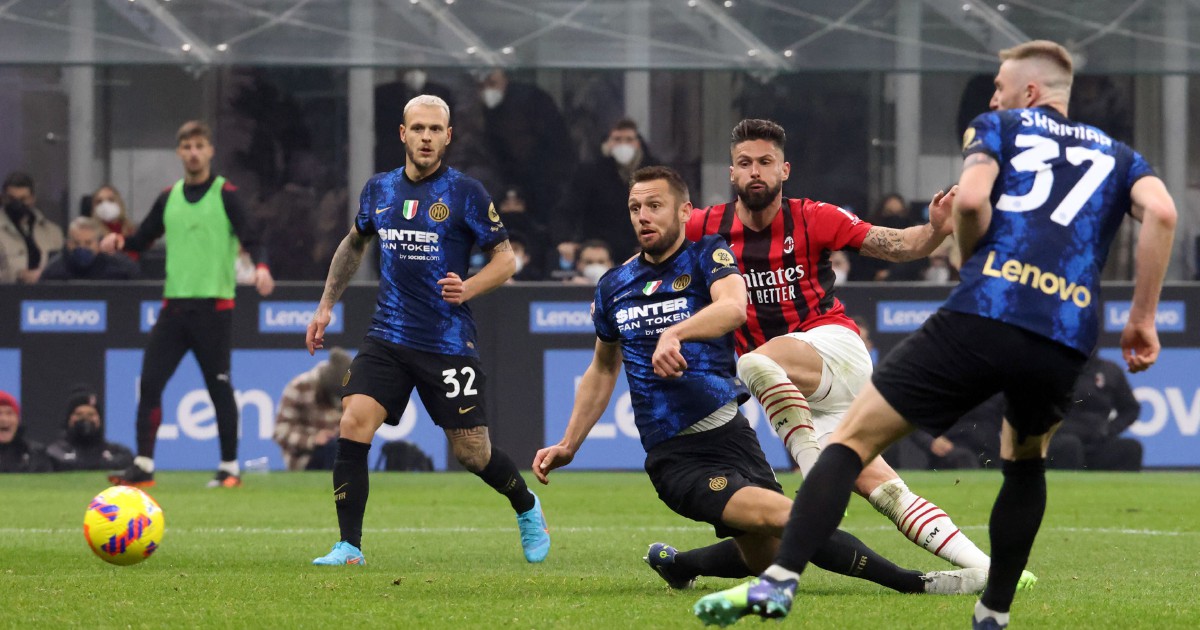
819 506
502 475
149 418
846 555
350 488
722 559
225 407
1014 524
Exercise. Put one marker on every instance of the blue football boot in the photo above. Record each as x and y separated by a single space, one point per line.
342 553
535 535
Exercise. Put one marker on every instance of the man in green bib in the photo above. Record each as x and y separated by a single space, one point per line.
204 222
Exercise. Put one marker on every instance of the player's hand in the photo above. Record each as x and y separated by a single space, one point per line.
263 281
941 446
548 459
314 337
941 209
1139 346
668 361
112 242
454 289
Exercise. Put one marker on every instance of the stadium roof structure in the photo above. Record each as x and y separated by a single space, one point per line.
1143 36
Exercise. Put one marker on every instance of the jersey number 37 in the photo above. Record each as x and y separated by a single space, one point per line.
1036 157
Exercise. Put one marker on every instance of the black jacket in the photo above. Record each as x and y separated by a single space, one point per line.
23 456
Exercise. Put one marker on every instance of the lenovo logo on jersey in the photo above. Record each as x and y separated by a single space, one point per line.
1047 282
652 310
1171 316
67 316
293 317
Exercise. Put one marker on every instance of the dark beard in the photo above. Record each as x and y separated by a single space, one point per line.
666 242
758 201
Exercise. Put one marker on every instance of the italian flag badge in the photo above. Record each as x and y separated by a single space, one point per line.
410 209
651 287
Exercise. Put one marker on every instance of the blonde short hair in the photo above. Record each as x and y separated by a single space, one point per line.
1046 51
427 99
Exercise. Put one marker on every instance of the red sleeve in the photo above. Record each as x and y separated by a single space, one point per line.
836 228
695 224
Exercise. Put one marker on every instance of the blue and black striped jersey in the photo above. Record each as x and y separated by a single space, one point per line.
636 302
426 230
1061 193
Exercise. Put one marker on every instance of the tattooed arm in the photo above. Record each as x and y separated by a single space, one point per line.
973 207
346 260
913 242
501 266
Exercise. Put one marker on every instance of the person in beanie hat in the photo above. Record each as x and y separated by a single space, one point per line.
18 454
82 445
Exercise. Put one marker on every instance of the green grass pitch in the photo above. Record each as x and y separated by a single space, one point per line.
1115 551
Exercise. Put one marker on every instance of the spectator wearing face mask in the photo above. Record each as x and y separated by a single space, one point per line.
527 271
592 261
596 201
17 454
527 140
83 260
82 446
841 267
27 237
108 207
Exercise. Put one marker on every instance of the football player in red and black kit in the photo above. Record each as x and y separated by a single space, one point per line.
801 355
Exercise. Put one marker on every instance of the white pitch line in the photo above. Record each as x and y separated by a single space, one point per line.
571 530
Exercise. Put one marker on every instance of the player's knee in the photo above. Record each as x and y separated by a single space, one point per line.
354 426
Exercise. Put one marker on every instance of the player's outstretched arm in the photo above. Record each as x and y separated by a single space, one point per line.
591 399
345 262
972 204
1152 205
726 313
501 266
913 242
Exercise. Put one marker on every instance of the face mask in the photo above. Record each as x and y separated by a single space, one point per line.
839 277
520 266
84 432
624 153
80 258
593 272
107 211
492 97
415 79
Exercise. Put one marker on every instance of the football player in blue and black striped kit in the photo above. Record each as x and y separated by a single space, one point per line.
427 217
668 314
1039 202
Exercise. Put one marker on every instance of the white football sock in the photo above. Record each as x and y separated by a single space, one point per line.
786 407
780 574
983 612
926 525
145 463
230 467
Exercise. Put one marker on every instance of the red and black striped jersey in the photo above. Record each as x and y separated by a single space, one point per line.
786 265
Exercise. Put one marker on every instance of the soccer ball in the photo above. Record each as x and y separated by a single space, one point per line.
123 525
